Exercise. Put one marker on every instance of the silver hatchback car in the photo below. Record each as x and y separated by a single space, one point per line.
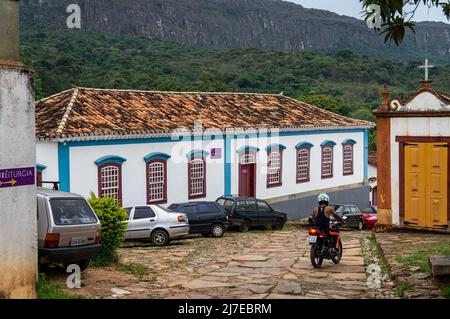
68 229
155 223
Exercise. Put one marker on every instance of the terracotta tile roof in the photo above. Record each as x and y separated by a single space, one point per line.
372 158
92 112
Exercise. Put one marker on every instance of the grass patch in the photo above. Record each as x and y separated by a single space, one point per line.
401 289
445 291
46 290
420 257
138 270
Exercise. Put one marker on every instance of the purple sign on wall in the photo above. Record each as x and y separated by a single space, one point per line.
14 177
216 153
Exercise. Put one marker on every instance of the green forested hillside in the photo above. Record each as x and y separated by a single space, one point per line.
342 82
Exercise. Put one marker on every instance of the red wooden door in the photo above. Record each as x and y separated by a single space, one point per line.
247 180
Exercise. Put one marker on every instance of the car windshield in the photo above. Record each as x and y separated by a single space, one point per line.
369 211
173 207
72 211
225 203
338 208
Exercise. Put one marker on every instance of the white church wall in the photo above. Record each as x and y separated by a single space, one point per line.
290 185
412 126
47 154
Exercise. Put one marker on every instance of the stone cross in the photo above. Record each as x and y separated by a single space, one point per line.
426 66
9 30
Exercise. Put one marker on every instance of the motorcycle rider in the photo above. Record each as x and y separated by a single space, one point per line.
321 216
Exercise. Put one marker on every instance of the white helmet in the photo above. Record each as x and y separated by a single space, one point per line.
323 198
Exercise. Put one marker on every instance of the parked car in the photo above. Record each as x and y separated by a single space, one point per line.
155 223
370 217
206 218
68 229
246 212
351 214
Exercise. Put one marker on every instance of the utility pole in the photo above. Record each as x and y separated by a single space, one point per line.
18 217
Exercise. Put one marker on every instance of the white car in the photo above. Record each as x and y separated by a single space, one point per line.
155 223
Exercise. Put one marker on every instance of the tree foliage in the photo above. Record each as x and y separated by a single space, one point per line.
324 101
397 15
342 82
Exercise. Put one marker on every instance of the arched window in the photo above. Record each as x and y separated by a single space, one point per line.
110 177
197 178
347 156
348 160
156 181
303 161
110 181
303 166
327 159
274 163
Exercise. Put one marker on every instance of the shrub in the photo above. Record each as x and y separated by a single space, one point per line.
111 216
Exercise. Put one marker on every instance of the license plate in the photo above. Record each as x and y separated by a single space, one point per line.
78 241
312 239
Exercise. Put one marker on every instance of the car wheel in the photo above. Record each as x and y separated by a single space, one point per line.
217 230
245 226
279 224
159 238
360 225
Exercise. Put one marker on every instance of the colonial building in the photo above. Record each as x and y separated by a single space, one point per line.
413 137
163 147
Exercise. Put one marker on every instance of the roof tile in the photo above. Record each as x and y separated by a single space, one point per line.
84 111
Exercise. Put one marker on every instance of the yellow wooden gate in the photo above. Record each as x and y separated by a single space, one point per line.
426 184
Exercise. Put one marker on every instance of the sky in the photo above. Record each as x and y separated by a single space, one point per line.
353 8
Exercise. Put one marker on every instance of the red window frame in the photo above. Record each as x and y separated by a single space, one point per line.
343 160
325 147
100 188
147 181
280 181
203 194
308 167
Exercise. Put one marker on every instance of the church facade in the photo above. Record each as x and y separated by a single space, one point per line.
144 147
413 139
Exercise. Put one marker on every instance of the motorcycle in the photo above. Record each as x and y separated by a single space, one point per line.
323 247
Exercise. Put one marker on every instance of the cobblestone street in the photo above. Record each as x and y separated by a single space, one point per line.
258 264
407 254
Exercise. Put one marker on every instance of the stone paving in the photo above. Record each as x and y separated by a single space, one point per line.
417 283
258 264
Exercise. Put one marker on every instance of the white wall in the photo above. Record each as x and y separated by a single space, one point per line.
84 171
290 185
18 225
413 126
47 154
